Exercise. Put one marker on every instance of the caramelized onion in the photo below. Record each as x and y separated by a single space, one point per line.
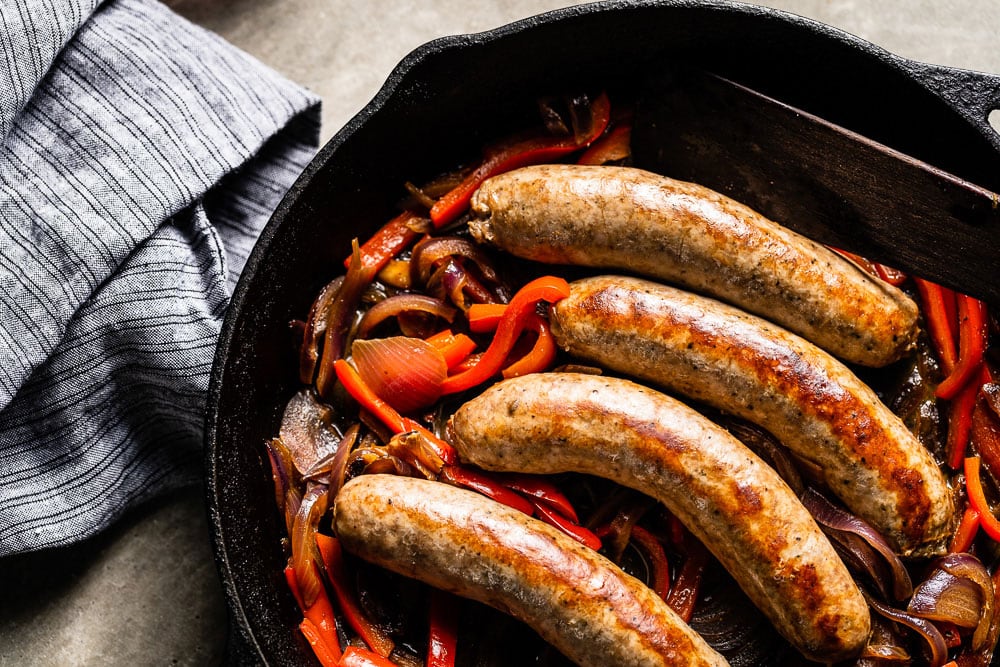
431 252
860 544
307 430
399 304
405 372
927 630
286 484
305 554
958 591
341 317
315 329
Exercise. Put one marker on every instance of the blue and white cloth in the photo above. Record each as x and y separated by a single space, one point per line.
139 158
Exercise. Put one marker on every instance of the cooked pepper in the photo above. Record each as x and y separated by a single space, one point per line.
519 153
971 346
939 322
442 642
390 240
363 394
333 560
977 498
483 483
515 318
359 657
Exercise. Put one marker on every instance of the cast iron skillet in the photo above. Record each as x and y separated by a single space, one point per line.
435 111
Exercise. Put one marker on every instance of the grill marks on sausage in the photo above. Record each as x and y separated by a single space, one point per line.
744 365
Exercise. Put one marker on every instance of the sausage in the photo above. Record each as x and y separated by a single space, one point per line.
744 365
729 498
462 542
682 233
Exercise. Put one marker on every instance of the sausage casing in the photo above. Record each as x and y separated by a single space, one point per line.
728 497
682 233
744 365
462 542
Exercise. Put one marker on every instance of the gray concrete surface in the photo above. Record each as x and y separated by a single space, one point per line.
146 593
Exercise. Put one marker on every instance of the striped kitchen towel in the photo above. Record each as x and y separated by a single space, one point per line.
139 158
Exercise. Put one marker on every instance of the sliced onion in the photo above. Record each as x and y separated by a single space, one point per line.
306 558
330 469
400 304
413 448
405 372
307 430
927 630
340 317
286 483
431 252
453 282
885 644
958 591
845 529
315 329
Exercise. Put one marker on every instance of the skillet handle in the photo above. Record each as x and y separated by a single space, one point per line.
972 94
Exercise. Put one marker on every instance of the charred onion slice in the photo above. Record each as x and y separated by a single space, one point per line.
305 555
860 544
927 630
958 591
399 304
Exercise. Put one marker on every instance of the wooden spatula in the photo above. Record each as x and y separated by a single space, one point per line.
821 179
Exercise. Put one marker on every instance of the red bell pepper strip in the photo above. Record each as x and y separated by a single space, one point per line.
966 532
960 424
390 240
977 499
583 535
657 559
546 288
333 559
615 145
485 317
541 490
894 277
542 353
535 150
454 347
327 656
359 657
684 592
485 484
971 346
395 422
939 322
293 585
368 399
319 615
442 641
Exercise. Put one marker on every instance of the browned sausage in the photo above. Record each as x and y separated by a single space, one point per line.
462 542
747 366
633 220
729 498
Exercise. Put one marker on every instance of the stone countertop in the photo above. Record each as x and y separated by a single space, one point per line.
146 592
